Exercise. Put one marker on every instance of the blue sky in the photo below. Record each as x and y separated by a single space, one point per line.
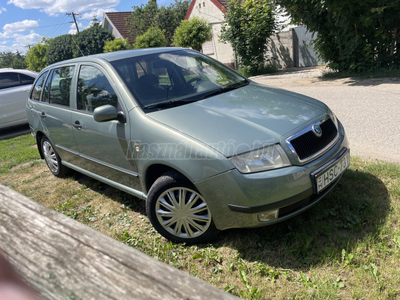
25 22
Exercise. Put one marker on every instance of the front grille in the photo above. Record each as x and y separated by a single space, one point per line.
309 144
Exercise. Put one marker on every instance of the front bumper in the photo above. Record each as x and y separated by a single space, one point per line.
236 200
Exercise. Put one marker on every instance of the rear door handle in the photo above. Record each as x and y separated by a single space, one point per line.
77 125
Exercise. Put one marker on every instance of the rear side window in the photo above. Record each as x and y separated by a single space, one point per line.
94 90
25 79
9 79
37 89
60 86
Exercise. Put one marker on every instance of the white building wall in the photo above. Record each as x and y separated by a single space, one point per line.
207 10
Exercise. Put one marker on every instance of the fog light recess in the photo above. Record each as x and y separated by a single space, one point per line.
270 215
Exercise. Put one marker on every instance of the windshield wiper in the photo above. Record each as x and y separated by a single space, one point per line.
169 103
225 89
172 103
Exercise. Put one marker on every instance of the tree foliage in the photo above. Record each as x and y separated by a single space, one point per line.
36 56
192 33
166 18
90 41
153 37
59 49
247 26
352 35
12 60
116 45
170 17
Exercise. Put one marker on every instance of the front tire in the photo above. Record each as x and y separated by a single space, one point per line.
52 158
178 211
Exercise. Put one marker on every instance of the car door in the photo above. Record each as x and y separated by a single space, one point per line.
55 113
13 97
103 147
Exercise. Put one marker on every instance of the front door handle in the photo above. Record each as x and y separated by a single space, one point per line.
77 125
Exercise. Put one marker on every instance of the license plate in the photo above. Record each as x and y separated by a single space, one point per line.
332 172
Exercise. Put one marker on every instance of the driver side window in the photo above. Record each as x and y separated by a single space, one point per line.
94 90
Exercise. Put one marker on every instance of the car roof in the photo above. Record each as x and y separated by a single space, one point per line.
22 71
117 55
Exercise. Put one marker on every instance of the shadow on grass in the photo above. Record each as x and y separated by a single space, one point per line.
351 212
135 204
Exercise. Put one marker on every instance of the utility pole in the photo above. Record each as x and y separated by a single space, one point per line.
73 15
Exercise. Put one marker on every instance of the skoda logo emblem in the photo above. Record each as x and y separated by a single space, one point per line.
317 130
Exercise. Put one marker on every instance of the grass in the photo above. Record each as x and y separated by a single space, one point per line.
346 247
381 73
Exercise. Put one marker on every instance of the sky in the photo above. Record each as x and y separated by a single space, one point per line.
25 22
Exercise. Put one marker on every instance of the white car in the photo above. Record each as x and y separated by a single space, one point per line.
14 91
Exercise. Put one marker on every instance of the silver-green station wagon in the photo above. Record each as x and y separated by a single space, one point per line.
206 148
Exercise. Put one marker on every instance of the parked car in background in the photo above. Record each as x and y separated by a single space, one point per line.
205 147
14 90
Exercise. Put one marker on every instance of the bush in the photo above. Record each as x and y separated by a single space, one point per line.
116 45
192 33
59 49
248 71
153 37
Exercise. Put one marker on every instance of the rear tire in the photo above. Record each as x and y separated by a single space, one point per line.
52 158
178 211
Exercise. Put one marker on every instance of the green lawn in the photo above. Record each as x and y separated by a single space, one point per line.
346 247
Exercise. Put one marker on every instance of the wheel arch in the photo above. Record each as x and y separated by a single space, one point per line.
155 171
39 136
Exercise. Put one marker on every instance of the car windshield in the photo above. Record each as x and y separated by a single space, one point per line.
163 80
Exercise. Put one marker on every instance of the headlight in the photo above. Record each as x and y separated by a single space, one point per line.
334 118
271 157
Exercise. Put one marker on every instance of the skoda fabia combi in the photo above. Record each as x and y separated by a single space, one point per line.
206 148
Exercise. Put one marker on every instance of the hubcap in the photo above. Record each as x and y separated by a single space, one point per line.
50 156
183 212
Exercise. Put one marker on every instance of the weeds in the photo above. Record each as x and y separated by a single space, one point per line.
346 247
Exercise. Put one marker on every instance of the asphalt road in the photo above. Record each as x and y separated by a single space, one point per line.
369 109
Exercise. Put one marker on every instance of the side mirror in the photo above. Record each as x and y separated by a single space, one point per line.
105 113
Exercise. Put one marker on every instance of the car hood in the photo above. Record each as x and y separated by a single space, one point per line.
243 119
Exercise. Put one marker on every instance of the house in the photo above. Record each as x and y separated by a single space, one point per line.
213 11
115 22
293 48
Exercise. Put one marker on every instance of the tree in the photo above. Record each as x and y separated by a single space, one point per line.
352 35
13 60
116 45
170 17
192 33
247 26
166 18
90 41
36 57
59 49
153 37
143 17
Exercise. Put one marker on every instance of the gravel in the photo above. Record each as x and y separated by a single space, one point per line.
369 109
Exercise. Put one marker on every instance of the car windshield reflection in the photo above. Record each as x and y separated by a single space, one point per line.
164 80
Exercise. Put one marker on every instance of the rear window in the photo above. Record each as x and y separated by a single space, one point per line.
37 89
25 79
